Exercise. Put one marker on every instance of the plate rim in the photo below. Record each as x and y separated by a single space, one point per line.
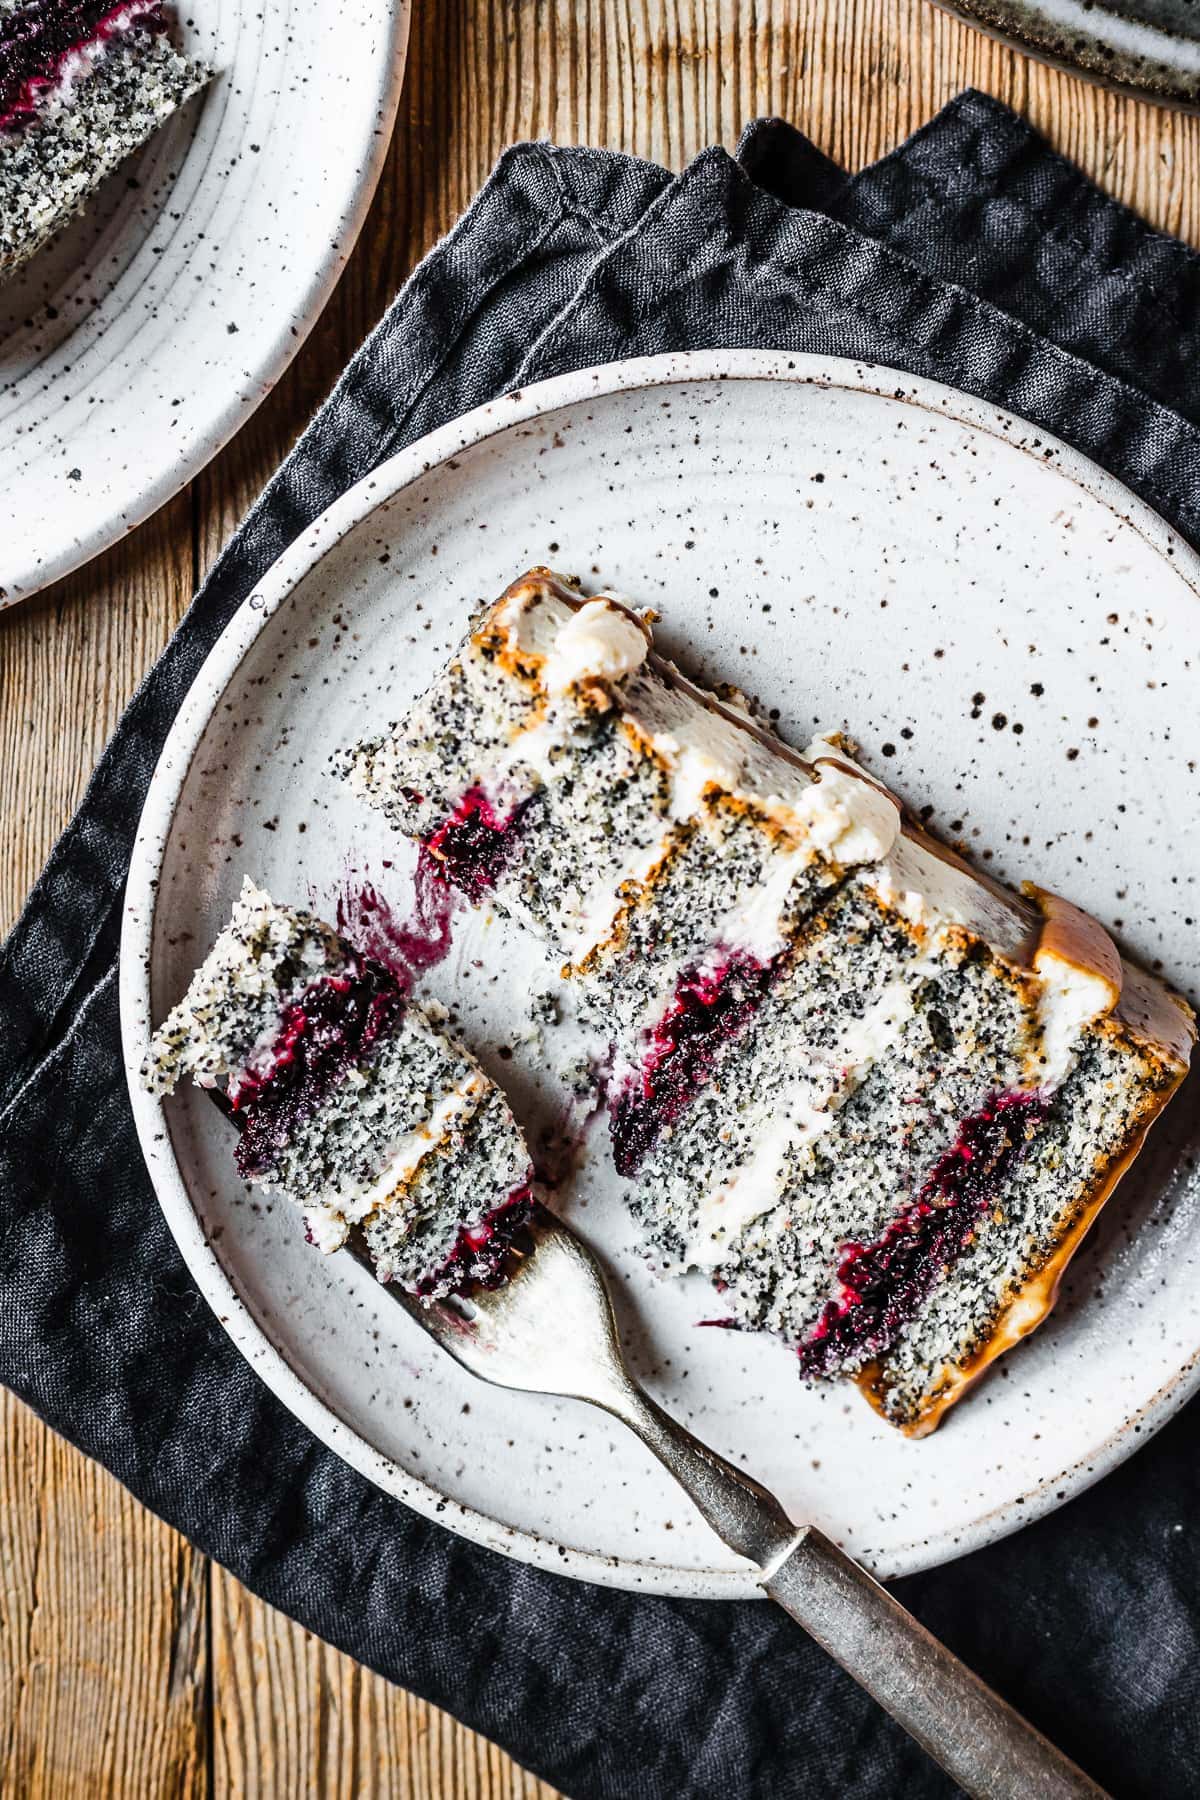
1111 50
307 550
296 324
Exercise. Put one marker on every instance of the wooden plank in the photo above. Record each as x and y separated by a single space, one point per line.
293 1717
103 1613
103 1610
102 1632
69 660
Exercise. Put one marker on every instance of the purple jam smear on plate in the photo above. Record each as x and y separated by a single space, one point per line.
710 1007
884 1284
481 1251
474 844
37 41
408 945
335 1024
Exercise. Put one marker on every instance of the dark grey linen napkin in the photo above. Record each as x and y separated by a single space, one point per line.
973 255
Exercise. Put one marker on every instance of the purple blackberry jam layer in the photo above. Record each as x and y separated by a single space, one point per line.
710 1008
886 1283
334 1026
39 41
475 844
771 1133
480 1254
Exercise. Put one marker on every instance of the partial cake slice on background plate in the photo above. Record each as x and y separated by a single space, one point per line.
877 1098
351 1100
83 84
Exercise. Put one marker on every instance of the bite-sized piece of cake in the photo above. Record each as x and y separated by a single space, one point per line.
351 1100
83 84
875 1096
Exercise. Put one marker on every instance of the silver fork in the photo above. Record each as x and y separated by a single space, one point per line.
551 1330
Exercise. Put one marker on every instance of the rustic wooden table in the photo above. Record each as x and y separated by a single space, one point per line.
128 1664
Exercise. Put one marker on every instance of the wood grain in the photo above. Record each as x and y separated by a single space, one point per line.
292 1716
127 1665
102 1632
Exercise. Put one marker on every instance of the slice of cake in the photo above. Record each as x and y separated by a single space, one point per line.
83 83
350 1099
875 1097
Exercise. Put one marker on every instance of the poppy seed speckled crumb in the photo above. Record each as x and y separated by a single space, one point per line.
352 1100
72 114
876 1101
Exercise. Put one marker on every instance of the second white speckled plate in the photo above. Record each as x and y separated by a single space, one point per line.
135 344
1011 637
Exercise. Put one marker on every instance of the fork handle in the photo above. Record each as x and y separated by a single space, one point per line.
987 1747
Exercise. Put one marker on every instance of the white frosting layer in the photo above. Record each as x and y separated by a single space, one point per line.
756 926
600 641
330 1217
798 1115
79 63
822 804
725 1211
930 889
704 751
602 903
848 819
1069 1000
832 810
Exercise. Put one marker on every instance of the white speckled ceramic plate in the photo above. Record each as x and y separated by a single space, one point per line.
135 345
1147 47
1012 638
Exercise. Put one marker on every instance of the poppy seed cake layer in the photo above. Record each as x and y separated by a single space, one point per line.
74 116
351 1099
874 1096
